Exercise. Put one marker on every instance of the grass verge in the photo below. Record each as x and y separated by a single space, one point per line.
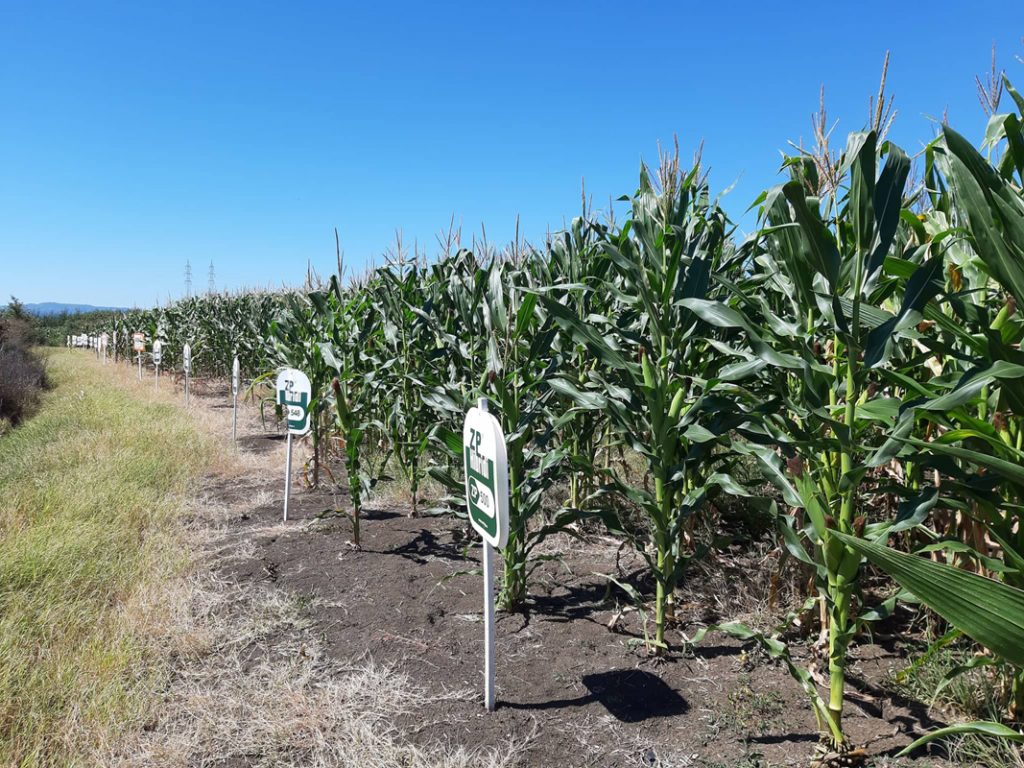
91 491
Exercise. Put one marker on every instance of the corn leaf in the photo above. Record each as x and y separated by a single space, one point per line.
990 612
981 727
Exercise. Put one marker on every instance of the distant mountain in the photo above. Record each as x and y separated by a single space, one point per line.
55 308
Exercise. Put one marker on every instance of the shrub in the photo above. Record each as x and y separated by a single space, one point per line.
22 374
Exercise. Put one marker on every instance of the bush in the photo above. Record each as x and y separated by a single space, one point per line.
22 374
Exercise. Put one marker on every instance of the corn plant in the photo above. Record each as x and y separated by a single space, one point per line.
976 418
349 326
660 381
571 259
397 294
509 343
835 296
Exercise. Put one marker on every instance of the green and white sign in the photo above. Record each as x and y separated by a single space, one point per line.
294 393
486 463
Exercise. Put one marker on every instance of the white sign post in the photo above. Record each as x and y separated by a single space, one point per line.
186 358
104 343
139 346
294 393
235 371
157 357
486 464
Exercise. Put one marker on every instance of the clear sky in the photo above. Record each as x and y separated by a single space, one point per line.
137 135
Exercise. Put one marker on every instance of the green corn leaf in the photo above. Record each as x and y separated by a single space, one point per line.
809 495
583 399
980 727
772 469
888 201
955 546
969 388
584 333
883 409
716 313
1017 98
990 612
1010 470
860 157
923 285
984 196
824 256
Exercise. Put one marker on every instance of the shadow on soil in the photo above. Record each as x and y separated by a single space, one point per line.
425 546
629 695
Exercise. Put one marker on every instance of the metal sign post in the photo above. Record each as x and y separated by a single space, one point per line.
288 476
157 356
488 627
486 464
234 400
186 356
294 393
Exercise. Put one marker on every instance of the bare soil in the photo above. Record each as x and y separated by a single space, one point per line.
574 685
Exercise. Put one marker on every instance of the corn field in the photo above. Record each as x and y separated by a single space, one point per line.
852 371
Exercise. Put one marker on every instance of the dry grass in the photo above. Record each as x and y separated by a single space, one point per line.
250 683
253 686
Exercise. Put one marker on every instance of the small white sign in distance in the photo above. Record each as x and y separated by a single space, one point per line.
157 352
486 465
294 393
235 373
186 357
138 342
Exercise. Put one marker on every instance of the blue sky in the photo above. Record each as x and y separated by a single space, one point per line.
136 136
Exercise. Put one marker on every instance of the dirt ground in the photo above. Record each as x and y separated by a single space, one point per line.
574 687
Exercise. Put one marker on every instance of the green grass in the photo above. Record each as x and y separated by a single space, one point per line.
91 493
980 694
